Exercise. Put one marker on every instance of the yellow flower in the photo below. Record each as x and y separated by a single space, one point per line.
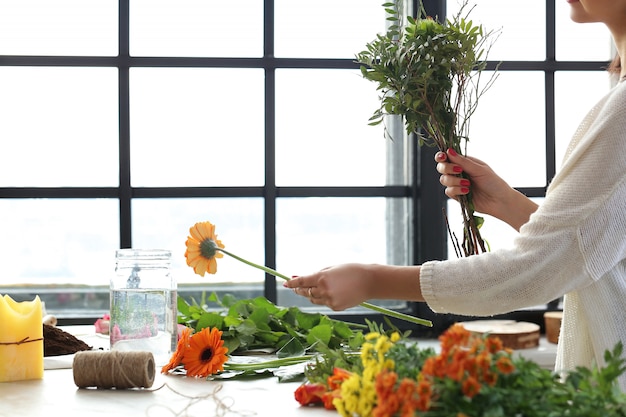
202 248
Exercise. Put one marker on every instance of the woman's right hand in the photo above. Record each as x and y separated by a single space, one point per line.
490 193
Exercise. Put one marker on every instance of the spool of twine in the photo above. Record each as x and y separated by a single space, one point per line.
113 369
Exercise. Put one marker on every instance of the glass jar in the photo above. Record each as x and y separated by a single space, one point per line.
143 303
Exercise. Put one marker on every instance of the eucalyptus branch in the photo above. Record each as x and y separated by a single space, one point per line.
429 73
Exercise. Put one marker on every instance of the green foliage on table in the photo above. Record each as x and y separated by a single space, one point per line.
259 324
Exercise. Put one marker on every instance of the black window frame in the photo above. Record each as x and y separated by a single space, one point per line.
424 190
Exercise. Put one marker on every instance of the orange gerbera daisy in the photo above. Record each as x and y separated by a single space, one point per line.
203 248
177 356
205 354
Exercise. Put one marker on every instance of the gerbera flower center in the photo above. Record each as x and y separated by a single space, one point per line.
208 248
207 354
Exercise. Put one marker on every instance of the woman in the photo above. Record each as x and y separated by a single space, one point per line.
574 244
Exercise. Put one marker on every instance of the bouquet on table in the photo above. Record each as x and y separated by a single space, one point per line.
470 376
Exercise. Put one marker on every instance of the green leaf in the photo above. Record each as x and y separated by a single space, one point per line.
183 307
321 333
342 329
210 320
292 348
247 327
232 321
266 304
228 300
232 344
260 316
307 320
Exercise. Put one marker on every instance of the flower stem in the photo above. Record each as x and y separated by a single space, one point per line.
274 363
373 307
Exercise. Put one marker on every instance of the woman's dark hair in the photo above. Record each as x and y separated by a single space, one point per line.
615 67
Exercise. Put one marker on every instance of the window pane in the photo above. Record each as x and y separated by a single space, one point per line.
314 233
322 135
196 28
326 28
58 27
508 128
55 242
197 127
580 42
522 27
572 104
165 223
59 127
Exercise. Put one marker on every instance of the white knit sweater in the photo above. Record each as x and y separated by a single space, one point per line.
573 245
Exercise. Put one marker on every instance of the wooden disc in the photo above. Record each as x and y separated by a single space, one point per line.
513 334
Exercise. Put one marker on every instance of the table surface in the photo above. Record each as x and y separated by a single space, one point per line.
170 395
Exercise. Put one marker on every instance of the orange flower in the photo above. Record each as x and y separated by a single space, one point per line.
505 365
456 335
310 393
493 344
329 397
490 378
385 384
425 391
483 361
205 354
471 387
177 356
339 375
202 248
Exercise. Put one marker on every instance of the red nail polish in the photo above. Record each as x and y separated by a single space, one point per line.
457 169
465 183
452 152
464 190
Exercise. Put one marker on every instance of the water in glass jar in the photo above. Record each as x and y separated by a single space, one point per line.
143 320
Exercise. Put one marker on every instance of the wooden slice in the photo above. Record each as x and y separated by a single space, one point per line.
514 334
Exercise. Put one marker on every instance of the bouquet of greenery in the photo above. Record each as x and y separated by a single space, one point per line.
429 73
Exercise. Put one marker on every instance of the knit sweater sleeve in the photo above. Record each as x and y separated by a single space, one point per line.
572 240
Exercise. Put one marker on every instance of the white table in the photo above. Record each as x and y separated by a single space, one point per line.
171 395
56 395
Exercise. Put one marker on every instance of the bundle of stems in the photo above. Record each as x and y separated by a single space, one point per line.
429 72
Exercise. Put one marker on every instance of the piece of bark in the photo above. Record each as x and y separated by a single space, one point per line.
57 342
513 334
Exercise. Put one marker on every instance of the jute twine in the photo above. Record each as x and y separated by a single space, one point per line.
113 369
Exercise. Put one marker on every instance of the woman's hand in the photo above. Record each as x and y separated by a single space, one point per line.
338 287
490 194
343 286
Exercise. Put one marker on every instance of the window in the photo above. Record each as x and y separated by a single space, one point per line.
124 123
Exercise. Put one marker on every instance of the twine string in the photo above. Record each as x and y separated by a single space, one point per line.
127 370
113 369
223 406
27 339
